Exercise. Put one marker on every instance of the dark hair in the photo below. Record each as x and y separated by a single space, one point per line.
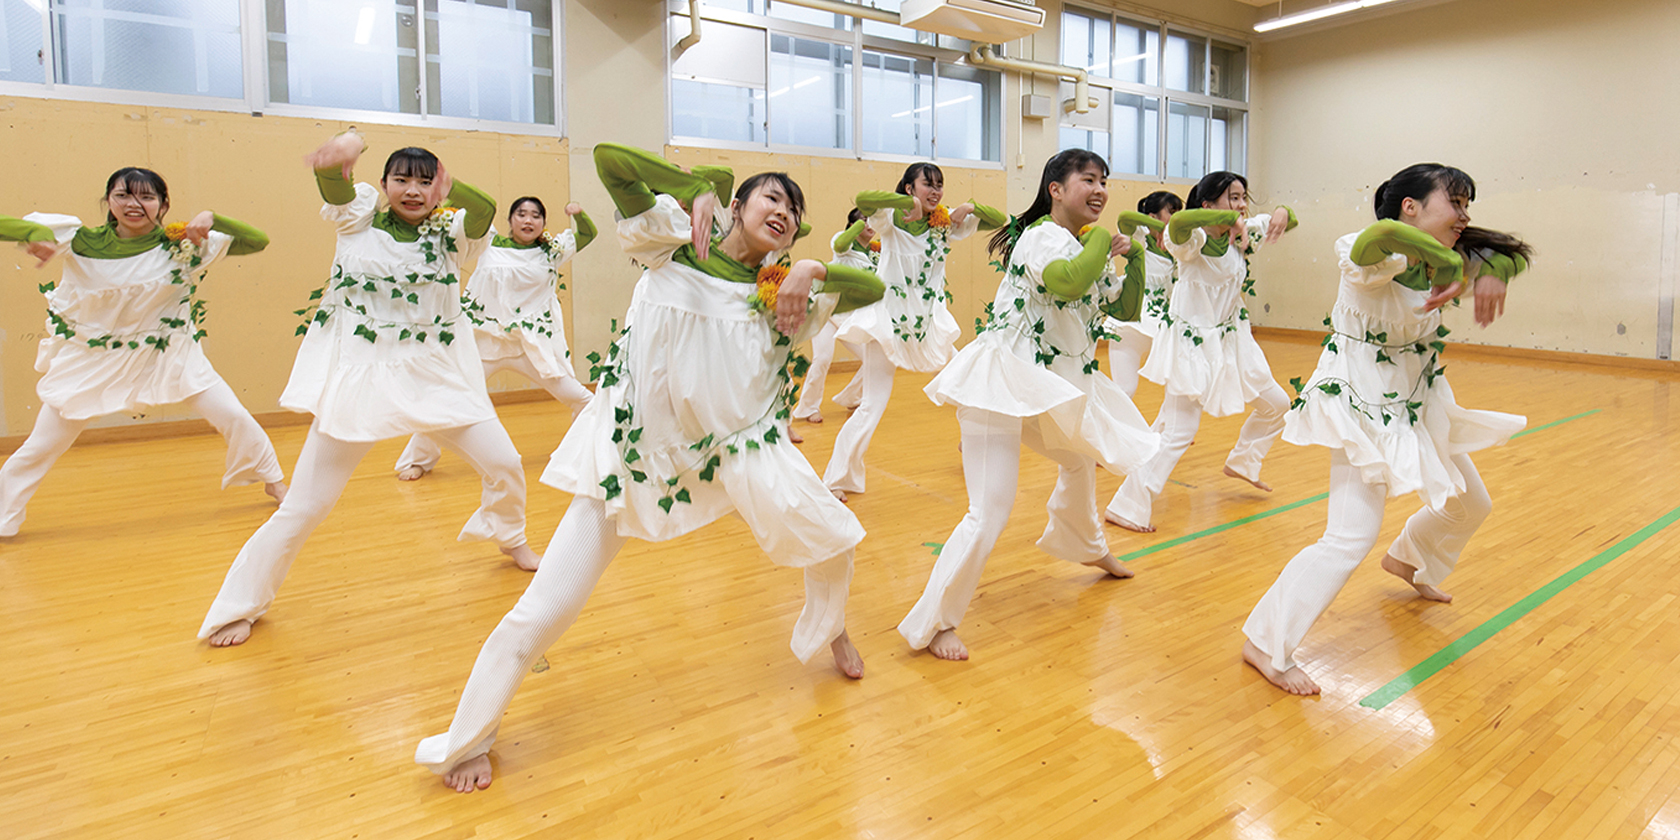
915 171
1211 187
530 198
1419 180
855 216
134 179
796 196
1159 200
1056 170
411 161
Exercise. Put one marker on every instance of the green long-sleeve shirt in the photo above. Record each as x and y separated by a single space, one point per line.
870 201
103 243
481 208
1392 236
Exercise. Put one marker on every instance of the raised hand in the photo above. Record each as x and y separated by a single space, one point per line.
700 219
199 228
442 183
1278 224
42 251
795 293
341 151
573 208
1440 295
1490 299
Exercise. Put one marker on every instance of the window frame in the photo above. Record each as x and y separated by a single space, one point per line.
859 43
253 40
1165 96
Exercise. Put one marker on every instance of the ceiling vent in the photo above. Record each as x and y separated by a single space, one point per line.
983 21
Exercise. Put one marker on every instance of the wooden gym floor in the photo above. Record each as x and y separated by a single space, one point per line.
673 708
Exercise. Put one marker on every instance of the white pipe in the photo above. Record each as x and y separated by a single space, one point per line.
851 9
981 56
693 36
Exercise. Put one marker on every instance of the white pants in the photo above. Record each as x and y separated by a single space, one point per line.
845 465
991 453
1125 359
583 545
250 455
1430 543
423 452
323 469
822 355
1179 418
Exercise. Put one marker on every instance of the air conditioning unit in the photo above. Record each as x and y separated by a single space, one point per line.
984 21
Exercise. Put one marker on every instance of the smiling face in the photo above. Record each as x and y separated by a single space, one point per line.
136 208
410 196
766 220
1235 197
1439 214
526 223
1082 195
928 189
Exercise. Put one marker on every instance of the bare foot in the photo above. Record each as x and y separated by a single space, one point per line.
277 490
230 634
1112 565
815 418
1112 519
1394 566
524 557
946 645
410 473
794 436
846 657
838 494
1254 481
470 775
1294 680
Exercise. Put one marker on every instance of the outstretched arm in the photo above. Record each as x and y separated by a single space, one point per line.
480 207
583 231
1070 279
332 162
857 287
848 237
1131 220
633 177
990 217
1129 304
870 201
246 239
38 239
1185 221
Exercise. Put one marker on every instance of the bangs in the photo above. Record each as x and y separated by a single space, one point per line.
412 162
795 196
1457 183
137 181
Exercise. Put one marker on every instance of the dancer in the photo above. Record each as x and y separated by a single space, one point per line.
516 314
911 326
1205 354
125 331
1031 376
688 425
380 358
1380 401
1134 336
857 247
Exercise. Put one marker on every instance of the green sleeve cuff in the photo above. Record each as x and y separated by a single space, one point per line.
1185 221
1071 279
246 239
583 230
335 188
480 207
1391 236
991 218
1503 266
1292 220
632 176
17 230
848 237
1131 220
722 179
870 201
1129 305
857 287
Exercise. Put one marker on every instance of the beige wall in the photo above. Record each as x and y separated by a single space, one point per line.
1564 114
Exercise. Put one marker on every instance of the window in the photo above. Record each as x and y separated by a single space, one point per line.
821 82
462 60
1172 104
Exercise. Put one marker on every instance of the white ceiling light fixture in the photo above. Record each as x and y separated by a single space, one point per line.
1316 13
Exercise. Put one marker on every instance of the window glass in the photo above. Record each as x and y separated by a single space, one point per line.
1187 127
810 95
490 60
1085 41
1137 48
184 46
20 42
1186 61
801 14
1136 134
1227 149
717 88
343 55
898 104
967 116
1228 74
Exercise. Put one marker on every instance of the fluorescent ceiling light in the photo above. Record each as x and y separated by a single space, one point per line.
1316 14
780 91
902 114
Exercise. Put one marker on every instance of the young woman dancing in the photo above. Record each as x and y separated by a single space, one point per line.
516 314
125 331
1205 354
689 424
1031 377
911 327
1132 338
386 351
857 247
1380 401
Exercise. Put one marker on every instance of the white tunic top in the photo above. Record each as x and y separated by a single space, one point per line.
1037 358
119 312
1376 396
519 312
1205 348
690 401
911 322
420 371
